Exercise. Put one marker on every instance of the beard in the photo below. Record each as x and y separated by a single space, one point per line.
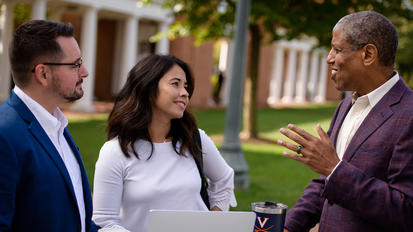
76 95
70 96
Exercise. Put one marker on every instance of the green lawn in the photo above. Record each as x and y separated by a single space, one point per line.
273 176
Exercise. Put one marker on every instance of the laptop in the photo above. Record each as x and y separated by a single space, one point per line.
200 221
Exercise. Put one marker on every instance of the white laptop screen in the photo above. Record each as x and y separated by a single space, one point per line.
200 221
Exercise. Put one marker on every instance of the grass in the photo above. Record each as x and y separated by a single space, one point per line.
273 176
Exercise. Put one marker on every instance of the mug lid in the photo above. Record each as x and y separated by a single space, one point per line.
270 207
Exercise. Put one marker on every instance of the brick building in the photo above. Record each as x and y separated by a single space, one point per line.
114 34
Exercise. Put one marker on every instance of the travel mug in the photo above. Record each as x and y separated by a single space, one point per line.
270 216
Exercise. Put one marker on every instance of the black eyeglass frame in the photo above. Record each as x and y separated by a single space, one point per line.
78 63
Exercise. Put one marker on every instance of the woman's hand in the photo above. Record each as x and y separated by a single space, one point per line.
216 208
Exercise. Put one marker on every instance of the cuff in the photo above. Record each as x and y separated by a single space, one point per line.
328 177
228 200
114 228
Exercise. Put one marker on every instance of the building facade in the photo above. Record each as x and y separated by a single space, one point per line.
114 34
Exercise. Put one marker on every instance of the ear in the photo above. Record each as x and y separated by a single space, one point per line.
42 74
370 54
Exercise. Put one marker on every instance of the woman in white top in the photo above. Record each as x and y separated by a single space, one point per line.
148 161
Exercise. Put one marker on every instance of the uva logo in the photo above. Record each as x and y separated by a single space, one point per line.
262 222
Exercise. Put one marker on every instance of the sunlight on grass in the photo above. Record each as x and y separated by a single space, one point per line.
309 127
83 118
273 177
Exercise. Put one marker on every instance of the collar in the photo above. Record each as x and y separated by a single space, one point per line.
376 95
51 123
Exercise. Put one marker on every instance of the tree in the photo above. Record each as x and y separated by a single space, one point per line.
272 19
405 51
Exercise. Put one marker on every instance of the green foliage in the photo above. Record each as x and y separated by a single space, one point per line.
405 51
21 13
282 19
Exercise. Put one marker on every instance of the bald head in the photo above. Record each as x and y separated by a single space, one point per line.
369 27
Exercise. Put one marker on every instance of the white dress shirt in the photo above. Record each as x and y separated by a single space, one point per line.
54 126
125 189
353 121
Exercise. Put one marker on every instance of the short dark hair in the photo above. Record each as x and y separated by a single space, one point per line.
32 43
369 27
132 113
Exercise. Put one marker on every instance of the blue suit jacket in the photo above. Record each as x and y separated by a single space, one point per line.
36 193
372 188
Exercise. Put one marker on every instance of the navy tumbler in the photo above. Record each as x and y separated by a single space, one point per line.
270 216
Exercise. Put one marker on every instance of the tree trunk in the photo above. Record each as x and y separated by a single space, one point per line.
251 83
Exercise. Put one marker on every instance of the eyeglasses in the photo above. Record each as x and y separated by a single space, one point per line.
78 63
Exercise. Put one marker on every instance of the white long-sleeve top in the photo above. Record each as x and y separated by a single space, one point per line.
125 189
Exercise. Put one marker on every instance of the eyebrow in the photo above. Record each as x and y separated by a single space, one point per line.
177 79
335 46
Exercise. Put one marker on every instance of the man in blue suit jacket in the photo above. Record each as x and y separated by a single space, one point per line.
43 184
366 158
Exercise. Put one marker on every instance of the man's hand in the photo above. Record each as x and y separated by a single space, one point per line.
318 154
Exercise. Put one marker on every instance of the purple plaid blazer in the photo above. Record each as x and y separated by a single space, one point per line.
372 188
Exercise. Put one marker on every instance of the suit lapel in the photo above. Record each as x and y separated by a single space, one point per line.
85 183
380 113
47 145
376 117
40 135
340 119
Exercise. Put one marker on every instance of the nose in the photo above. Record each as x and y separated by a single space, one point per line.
184 92
83 71
330 57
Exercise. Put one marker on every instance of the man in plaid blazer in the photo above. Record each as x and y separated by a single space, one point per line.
366 158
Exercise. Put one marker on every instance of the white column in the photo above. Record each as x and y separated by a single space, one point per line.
38 9
276 76
88 47
7 26
223 66
129 49
302 78
162 47
291 76
322 84
227 81
223 56
313 74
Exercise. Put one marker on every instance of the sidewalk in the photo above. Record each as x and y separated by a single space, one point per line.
101 109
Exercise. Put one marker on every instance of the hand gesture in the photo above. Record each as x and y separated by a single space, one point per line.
318 154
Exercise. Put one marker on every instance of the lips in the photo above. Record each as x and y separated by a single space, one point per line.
333 73
181 104
79 82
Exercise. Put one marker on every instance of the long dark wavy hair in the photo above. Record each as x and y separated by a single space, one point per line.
132 112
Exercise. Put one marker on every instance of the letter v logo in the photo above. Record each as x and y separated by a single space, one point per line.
262 223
